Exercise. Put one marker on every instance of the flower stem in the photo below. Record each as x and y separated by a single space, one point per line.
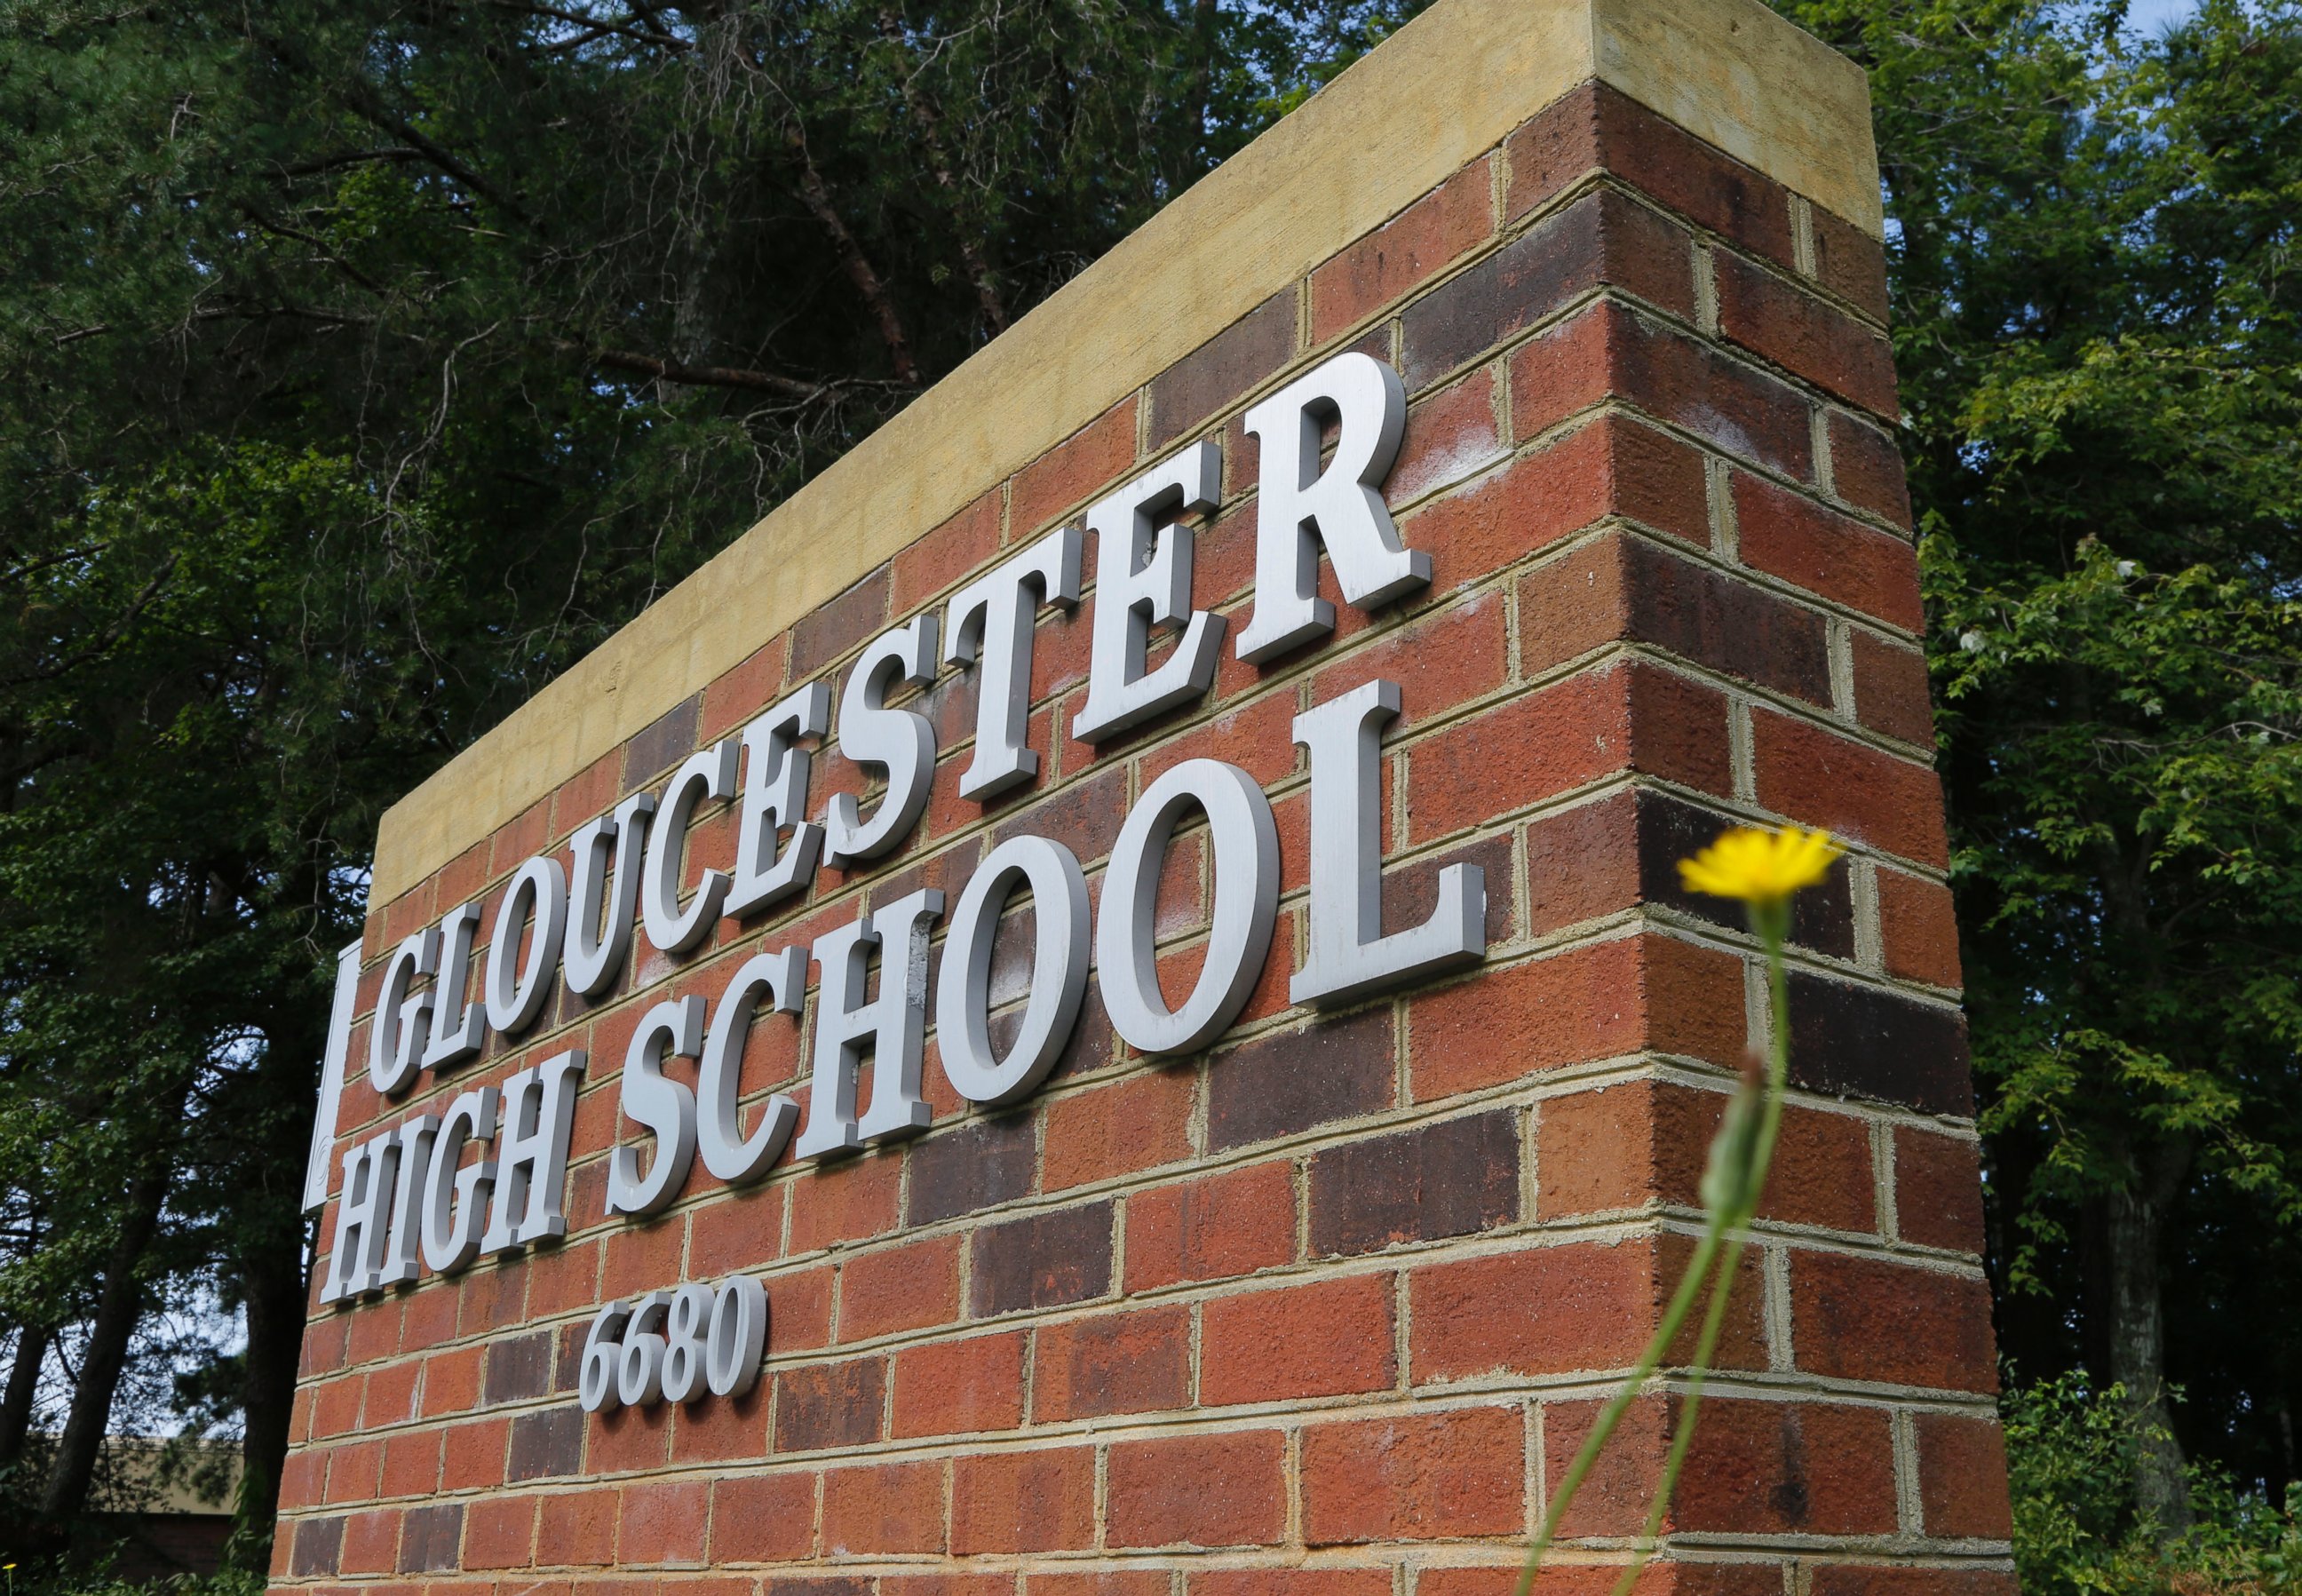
1731 1207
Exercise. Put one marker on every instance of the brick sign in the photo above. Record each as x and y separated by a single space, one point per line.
1102 1003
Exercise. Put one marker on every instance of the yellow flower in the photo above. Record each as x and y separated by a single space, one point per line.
1760 867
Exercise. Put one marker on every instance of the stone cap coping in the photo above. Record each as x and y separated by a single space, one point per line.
1433 97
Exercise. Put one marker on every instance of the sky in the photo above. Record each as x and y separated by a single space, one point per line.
2148 16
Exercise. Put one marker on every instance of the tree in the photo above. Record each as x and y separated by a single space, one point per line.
362 363
2097 326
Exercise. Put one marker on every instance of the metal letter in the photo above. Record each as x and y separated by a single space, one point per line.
1246 847
456 1198
398 1026
901 741
1058 978
456 1020
333 1064
711 772
1143 578
782 977
516 988
652 1100
992 615
1300 506
539 1111
595 952
775 796
894 1023
416 1141
355 1261
1350 954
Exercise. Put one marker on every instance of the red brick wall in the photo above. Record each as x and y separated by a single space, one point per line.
1327 1308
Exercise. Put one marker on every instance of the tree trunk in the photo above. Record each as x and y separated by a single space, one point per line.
274 1291
23 1385
118 1310
2134 1221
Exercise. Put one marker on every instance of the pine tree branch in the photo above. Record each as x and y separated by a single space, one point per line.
857 266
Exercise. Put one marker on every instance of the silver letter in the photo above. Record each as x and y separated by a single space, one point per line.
397 1027
711 772
895 1024
333 1064
1143 578
663 1106
595 953
416 1138
1350 954
782 977
355 1261
456 1022
531 1154
1058 979
456 1199
517 988
992 613
902 741
1340 506
1246 849
775 796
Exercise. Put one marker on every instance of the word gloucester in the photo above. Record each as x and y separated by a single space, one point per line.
410 1199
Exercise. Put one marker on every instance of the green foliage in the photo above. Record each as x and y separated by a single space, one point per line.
82 1582
2070 1453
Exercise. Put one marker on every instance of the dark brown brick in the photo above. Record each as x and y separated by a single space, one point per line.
1234 360
1137 1362
1850 263
1084 816
1669 829
1863 1042
1597 126
1410 895
518 1367
1092 1046
1601 237
1737 406
1278 1085
832 628
668 739
980 1164
1451 1179
1807 336
430 1537
567 1366
1404 252
1624 587
830 1405
1865 469
1611 348
1044 1261
547 1444
319 1545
